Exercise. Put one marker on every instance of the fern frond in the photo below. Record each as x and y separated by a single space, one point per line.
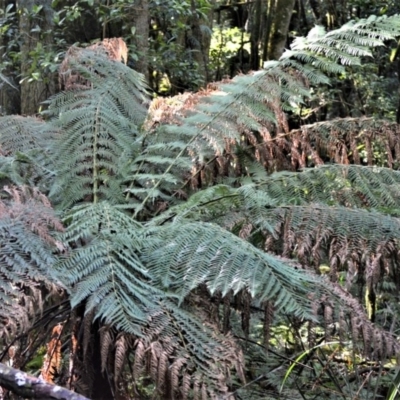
183 349
345 44
19 134
351 186
28 247
348 185
105 271
185 255
99 129
343 204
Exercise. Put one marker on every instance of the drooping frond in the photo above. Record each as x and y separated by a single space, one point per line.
347 185
28 248
351 186
19 134
248 112
105 270
24 151
343 141
353 324
187 355
98 130
329 51
183 256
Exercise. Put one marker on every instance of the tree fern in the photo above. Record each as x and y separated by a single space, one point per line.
214 121
146 265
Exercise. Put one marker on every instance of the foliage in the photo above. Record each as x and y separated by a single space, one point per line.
194 237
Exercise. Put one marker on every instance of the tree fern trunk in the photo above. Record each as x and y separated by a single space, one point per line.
102 383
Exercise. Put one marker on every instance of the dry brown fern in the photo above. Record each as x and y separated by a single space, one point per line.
52 359
114 49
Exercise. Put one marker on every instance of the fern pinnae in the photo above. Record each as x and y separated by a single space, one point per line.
105 271
228 263
98 137
182 151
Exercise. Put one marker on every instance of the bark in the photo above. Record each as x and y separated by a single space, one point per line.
256 34
102 386
28 386
279 16
141 21
9 88
35 33
203 43
398 77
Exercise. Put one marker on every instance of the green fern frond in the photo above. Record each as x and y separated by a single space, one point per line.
99 129
106 271
347 185
347 43
19 134
354 228
184 255
351 204
351 186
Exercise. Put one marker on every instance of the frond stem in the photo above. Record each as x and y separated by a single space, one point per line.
95 144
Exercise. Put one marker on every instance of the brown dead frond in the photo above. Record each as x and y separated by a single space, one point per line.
114 49
172 361
122 346
52 359
34 208
377 343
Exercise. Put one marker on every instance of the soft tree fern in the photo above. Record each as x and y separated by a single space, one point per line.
153 260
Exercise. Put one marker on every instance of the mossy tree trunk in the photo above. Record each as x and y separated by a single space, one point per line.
9 88
141 22
276 32
35 24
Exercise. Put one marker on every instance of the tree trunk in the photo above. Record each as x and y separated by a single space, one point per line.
202 49
9 88
278 20
35 28
256 34
103 388
25 385
141 21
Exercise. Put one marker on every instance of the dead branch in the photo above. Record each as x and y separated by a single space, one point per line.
29 386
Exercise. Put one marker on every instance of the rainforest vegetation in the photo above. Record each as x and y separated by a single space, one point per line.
200 199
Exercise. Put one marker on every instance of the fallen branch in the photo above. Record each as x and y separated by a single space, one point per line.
26 385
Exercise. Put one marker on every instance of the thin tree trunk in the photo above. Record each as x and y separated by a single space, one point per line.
9 88
280 13
255 35
36 38
204 42
141 21
103 388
